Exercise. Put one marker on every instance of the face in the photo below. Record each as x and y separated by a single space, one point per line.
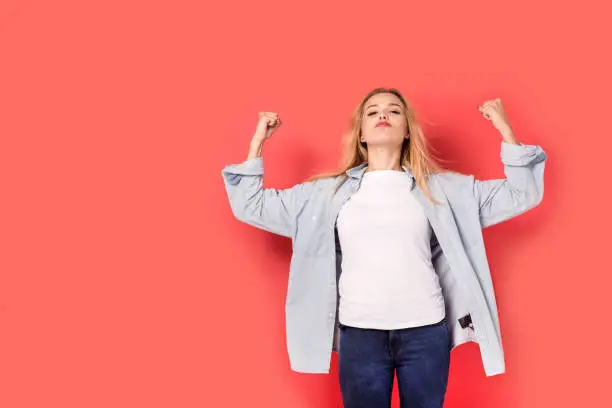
383 121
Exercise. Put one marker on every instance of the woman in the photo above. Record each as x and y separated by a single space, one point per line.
388 265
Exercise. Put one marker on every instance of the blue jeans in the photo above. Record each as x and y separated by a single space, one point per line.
368 359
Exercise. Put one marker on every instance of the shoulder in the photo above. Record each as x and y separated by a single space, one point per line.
452 177
456 185
324 183
310 190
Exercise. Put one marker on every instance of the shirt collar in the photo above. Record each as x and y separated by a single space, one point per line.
358 171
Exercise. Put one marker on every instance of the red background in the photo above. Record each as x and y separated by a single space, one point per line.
125 281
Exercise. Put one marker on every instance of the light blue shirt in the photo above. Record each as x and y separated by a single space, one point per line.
307 213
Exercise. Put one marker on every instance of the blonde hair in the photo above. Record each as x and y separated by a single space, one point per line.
415 153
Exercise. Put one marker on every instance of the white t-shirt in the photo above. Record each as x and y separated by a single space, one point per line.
388 281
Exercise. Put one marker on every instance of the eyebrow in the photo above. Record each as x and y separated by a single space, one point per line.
392 103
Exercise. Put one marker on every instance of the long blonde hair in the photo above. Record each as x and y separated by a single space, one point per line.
415 153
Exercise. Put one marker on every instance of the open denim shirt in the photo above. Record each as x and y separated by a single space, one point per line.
307 214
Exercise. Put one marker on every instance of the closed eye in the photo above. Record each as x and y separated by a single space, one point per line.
374 112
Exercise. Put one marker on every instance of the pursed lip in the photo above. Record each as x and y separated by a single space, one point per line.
383 123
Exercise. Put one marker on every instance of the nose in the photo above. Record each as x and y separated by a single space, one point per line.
383 115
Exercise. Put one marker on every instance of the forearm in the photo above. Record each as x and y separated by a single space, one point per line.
255 148
508 136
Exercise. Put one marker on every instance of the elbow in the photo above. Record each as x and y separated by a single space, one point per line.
246 211
534 198
237 204
240 212
539 199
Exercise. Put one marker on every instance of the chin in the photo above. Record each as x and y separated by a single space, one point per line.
387 140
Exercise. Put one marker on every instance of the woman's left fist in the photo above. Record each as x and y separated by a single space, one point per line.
493 110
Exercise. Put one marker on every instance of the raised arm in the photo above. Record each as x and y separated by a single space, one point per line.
269 209
523 186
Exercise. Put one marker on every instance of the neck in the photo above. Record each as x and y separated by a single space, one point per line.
383 158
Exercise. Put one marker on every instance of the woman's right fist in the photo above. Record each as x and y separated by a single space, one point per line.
268 123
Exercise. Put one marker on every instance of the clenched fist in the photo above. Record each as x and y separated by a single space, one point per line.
267 124
493 110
